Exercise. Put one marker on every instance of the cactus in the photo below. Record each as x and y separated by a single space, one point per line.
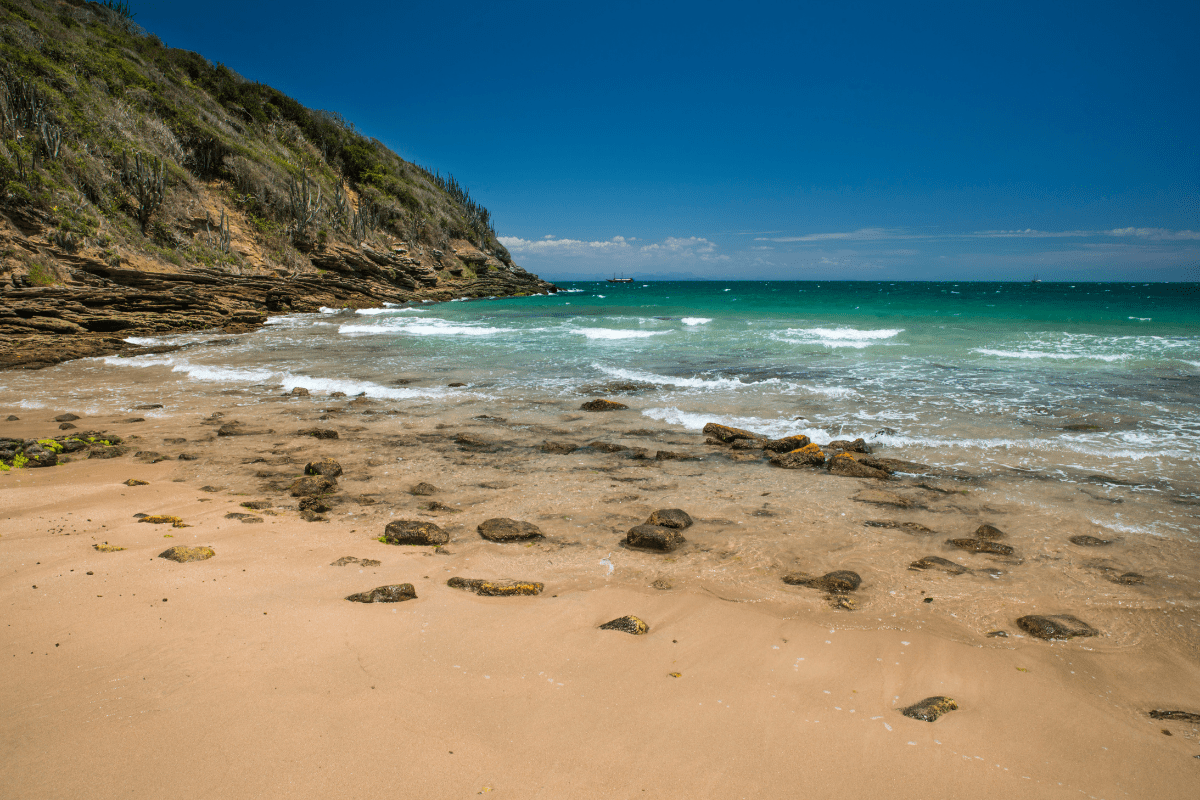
223 239
303 206
147 181
341 208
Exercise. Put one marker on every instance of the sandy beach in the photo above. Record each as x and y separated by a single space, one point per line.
249 675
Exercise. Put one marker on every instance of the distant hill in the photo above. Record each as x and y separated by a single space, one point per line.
128 164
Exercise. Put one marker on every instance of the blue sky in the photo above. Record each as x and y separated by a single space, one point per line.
768 140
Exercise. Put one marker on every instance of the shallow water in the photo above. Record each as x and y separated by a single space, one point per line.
1051 410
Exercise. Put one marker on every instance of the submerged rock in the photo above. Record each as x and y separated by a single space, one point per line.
183 554
747 444
629 624
423 489
810 455
497 588
312 485
986 531
558 448
981 546
929 709
393 593
727 434
1090 541
671 455
1056 626
1177 716
654 537
316 433
1128 579
502 529
670 518
601 404
325 466
604 447
937 562
837 582
857 446
414 532
908 527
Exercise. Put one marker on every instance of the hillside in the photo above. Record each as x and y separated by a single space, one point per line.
147 190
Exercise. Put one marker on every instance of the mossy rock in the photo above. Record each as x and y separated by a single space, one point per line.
164 519
938 563
107 548
325 466
502 529
601 404
1090 541
989 532
929 709
311 485
183 554
423 489
136 482
414 532
837 582
810 455
629 624
496 588
654 537
393 593
670 518
981 546
1056 626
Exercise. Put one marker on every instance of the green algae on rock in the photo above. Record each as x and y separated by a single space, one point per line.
939 563
183 554
414 532
393 593
929 709
627 624
496 588
1055 626
670 518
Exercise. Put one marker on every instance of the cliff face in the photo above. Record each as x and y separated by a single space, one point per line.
146 190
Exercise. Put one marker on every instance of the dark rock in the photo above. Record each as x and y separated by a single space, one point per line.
106 451
188 457
369 562
210 488
602 405
299 391
502 529
394 593
312 485
231 429
937 562
671 455
810 455
726 434
997 634
490 588
66 418
248 518
929 709
438 505
746 444
1055 626
132 419
316 433
787 444
670 518
136 482
175 440
604 447
183 554
66 426
986 531
654 537
848 467
147 406
414 532
1177 716
317 504
423 489
838 582
456 385
629 624
256 505
857 446
14 418
1090 541
617 387
149 456
337 394
308 515
981 546
907 527
662 584
1128 579
326 466
558 448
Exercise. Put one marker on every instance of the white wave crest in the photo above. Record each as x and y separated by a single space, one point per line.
837 337
1057 356
696 320
776 428
609 333
688 383
424 327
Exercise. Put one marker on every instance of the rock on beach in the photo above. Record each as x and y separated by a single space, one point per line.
414 532
392 593
654 537
502 529
627 624
496 588
1056 626
184 554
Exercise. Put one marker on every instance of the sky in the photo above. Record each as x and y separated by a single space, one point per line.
755 140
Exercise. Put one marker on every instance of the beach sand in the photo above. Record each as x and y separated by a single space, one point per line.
249 674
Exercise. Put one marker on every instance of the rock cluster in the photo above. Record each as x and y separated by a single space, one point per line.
660 531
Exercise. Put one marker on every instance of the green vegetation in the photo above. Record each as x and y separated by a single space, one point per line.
121 142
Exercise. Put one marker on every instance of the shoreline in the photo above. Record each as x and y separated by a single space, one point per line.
258 675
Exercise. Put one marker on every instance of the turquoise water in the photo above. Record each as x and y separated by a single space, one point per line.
1066 380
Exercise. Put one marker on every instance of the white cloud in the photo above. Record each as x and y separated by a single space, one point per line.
671 248
891 234
1160 234
548 246
862 234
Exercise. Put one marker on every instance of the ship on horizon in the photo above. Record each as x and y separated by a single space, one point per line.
622 279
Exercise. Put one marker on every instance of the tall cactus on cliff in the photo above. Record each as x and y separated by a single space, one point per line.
146 180
303 205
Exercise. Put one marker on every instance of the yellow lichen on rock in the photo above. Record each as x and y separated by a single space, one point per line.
107 548
163 519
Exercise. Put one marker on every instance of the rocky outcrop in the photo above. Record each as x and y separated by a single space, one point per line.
490 588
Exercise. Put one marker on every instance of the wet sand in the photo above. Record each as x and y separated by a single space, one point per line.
249 674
